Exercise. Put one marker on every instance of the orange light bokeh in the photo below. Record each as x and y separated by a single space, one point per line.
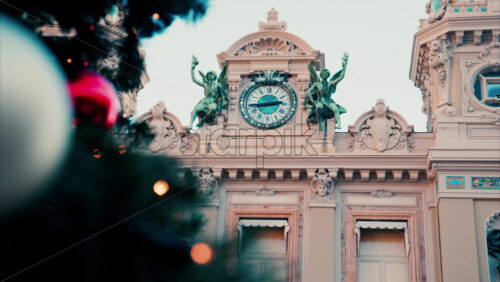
96 153
201 253
121 149
156 16
69 60
161 187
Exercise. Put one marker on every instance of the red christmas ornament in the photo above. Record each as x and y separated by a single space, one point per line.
95 99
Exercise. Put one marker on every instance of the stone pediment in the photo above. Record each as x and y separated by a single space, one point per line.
271 40
271 43
381 130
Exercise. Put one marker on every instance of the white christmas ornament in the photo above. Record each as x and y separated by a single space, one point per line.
35 119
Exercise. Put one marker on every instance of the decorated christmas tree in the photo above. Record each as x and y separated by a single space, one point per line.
76 204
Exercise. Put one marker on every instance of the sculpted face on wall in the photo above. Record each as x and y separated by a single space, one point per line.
322 185
208 183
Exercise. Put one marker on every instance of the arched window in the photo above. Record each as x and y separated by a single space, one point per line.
487 86
493 246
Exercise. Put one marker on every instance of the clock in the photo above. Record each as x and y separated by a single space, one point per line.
268 106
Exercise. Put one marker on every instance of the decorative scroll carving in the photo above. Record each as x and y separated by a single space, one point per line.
380 130
381 193
264 191
322 185
208 183
165 133
270 46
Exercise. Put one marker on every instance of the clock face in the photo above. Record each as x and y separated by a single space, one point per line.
268 106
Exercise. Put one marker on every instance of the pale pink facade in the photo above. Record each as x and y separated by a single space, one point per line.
328 202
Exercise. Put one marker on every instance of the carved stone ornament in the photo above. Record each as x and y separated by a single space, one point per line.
380 130
264 191
269 77
128 102
208 183
436 13
322 185
110 65
440 58
272 22
270 46
381 193
165 133
440 55
116 18
471 68
424 82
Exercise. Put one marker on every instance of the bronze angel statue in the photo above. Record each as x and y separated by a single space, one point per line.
216 96
318 98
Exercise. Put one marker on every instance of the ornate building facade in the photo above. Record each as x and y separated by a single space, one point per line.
377 203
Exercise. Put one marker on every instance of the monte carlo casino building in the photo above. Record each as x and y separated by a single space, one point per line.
377 203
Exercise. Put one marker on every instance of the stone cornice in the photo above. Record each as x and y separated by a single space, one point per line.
467 165
289 162
305 174
451 166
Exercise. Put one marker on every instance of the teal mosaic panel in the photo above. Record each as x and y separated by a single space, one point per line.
485 182
455 182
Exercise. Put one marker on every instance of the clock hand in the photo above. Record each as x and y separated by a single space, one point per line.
266 104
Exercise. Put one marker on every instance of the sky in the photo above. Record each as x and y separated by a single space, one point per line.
377 35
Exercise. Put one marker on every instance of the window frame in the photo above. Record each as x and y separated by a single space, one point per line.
292 244
484 80
353 215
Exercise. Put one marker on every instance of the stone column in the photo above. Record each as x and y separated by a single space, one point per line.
319 252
